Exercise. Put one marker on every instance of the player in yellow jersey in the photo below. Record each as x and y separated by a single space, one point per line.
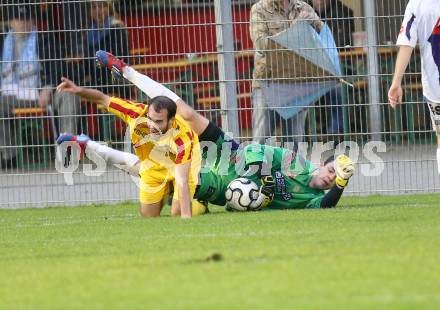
166 147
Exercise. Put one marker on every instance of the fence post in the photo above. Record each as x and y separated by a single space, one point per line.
226 66
373 71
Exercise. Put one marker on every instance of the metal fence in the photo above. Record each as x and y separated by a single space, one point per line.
204 51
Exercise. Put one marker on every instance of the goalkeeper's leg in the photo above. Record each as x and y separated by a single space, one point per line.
153 89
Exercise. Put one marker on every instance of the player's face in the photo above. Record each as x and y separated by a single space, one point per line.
326 176
20 25
158 122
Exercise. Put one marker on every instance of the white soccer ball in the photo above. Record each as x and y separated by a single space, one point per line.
241 195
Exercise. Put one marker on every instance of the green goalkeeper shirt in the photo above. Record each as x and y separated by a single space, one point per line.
292 175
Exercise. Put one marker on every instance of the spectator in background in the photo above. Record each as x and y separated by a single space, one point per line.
106 32
89 27
27 73
340 20
48 19
338 17
269 17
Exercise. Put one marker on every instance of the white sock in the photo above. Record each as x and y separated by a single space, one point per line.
438 160
148 86
112 156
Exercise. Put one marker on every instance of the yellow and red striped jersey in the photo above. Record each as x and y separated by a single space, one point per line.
176 146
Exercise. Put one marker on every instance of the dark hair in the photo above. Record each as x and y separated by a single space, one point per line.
108 3
161 102
22 11
329 160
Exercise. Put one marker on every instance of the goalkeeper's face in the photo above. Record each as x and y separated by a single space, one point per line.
325 177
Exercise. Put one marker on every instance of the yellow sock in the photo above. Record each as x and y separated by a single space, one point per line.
198 208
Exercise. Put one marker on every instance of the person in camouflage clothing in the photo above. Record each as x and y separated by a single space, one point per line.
269 17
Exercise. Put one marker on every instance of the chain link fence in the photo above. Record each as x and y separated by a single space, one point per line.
209 53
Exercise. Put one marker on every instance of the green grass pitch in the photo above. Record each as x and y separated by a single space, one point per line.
372 253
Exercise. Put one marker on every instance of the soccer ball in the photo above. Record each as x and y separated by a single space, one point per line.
241 195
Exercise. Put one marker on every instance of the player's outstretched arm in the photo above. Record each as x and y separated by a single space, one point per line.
344 168
92 95
395 93
331 199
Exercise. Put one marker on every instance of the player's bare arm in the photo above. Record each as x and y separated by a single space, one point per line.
182 182
92 95
395 93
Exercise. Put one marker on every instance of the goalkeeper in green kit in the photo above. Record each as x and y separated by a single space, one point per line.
285 179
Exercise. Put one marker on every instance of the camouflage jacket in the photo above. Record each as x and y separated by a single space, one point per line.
268 17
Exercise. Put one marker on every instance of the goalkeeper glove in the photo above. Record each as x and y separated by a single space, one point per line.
344 168
266 192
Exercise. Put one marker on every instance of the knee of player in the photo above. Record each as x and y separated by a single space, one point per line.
144 213
148 211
